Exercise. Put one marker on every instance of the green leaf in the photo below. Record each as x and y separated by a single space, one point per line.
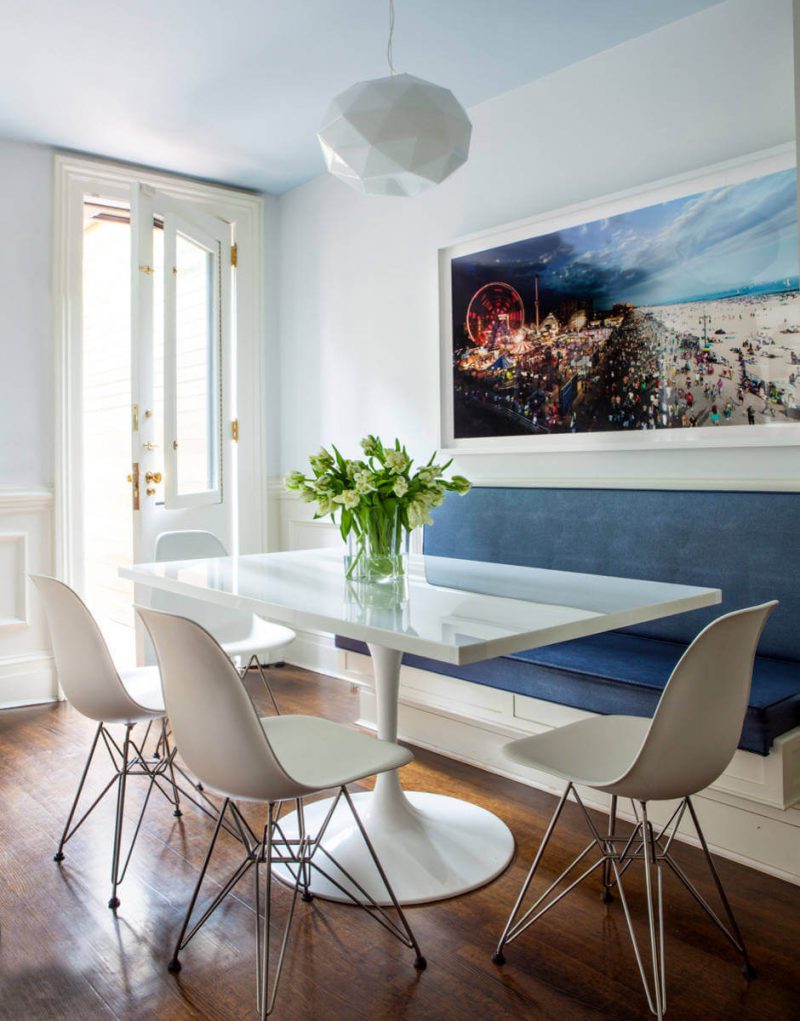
339 460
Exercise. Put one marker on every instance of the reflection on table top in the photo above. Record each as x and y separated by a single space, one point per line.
457 611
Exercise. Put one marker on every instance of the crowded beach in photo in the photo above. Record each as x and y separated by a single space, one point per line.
671 316
733 361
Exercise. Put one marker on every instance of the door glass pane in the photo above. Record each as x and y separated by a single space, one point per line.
197 370
106 405
158 337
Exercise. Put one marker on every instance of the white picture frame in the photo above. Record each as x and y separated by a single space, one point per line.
779 434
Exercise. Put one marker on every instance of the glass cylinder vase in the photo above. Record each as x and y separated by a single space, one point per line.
377 549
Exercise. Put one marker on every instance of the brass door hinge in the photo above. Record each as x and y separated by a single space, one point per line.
133 478
234 255
235 430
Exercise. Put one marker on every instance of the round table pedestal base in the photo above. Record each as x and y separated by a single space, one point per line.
429 845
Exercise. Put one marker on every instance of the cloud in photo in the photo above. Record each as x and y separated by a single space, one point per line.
723 241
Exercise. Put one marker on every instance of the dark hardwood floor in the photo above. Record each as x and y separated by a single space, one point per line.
64 955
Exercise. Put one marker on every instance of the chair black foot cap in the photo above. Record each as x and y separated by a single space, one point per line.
58 856
307 897
174 966
420 964
749 971
114 903
498 958
177 813
606 896
199 786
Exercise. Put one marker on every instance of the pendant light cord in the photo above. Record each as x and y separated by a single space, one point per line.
391 36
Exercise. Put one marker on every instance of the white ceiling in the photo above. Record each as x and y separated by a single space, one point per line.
234 91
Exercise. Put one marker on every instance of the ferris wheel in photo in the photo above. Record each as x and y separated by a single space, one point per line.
494 315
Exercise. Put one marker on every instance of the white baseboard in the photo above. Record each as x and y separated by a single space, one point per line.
315 650
27 680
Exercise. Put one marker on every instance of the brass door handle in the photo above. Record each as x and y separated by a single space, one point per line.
152 477
150 491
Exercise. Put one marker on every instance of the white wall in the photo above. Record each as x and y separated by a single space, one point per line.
26 418
359 304
26 346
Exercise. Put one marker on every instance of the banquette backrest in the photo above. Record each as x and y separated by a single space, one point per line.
745 543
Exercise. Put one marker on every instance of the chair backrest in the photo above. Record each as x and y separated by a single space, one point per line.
190 544
195 544
86 670
698 720
216 727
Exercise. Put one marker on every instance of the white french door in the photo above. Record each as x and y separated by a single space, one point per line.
160 351
182 449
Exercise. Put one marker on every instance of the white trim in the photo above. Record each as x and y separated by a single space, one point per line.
780 157
771 485
19 583
22 501
214 238
33 673
481 480
246 212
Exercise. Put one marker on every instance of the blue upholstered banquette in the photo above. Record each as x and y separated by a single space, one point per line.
746 543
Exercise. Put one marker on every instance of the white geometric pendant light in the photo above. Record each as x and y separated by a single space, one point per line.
396 135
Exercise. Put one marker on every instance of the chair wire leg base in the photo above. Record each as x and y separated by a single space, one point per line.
265 996
512 927
299 855
606 895
127 760
410 939
653 849
655 919
170 757
67 833
254 661
171 788
174 965
734 935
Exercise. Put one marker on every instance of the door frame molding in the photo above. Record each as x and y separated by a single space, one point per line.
246 212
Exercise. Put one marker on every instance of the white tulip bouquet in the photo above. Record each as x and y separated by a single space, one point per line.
379 500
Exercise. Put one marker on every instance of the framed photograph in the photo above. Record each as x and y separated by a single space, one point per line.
665 316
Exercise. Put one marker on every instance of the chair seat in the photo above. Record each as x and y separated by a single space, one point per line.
320 754
251 636
593 752
143 684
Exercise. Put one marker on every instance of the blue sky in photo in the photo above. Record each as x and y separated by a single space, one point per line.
735 239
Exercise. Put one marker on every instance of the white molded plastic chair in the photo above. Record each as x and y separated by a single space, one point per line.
685 747
98 690
273 760
242 635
